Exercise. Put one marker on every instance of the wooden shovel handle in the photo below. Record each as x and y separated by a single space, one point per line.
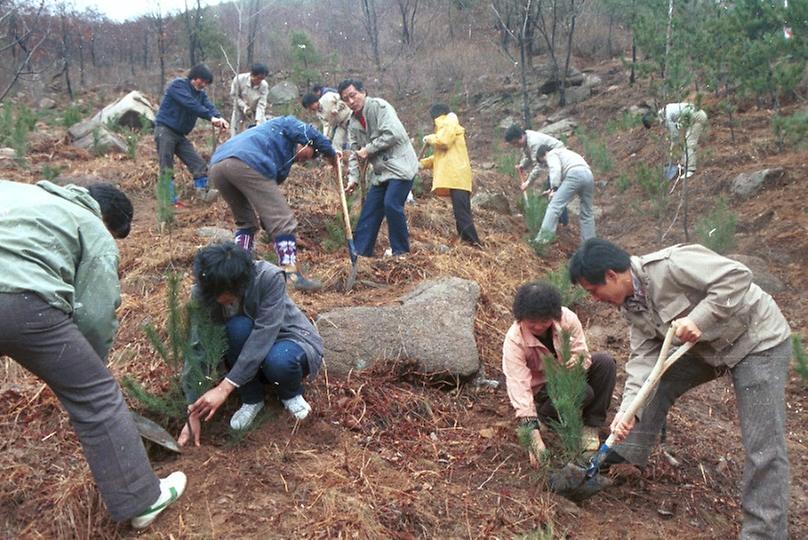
346 216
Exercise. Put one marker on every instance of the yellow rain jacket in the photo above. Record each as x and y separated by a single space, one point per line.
450 160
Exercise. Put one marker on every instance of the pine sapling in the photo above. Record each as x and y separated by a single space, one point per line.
165 198
566 387
800 358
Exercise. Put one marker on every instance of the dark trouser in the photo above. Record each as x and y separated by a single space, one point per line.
385 200
169 143
759 382
46 342
247 192
284 367
599 386
461 205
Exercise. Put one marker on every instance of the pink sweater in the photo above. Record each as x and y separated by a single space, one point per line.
523 364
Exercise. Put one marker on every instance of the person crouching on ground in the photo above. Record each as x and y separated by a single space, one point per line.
451 168
248 170
270 341
378 138
536 335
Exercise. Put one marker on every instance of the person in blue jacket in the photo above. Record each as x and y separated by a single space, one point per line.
248 170
185 101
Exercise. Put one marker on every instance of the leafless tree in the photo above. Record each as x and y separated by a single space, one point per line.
555 22
371 24
255 8
25 35
522 9
193 27
407 9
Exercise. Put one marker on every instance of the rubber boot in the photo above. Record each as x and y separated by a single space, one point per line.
245 238
203 192
286 250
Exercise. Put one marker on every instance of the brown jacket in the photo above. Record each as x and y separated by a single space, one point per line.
736 316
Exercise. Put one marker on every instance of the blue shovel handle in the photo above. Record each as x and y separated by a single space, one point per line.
594 463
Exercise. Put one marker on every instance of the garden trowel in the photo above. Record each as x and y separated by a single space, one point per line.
152 431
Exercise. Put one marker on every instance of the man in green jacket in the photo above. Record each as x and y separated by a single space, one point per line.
58 293
738 330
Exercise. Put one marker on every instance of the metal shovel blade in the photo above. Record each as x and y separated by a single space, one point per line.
152 431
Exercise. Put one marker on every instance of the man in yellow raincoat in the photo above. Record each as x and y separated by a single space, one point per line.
451 168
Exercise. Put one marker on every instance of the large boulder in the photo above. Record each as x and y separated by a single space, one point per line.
747 184
433 325
547 83
562 128
761 275
283 92
577 94
496 202
127 111
100 141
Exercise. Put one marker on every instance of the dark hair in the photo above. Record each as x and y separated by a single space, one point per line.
648 119
438 109
259 69
356 83
594 258
223 267
308 99
317 89
513 133
116 208
535 301
200 71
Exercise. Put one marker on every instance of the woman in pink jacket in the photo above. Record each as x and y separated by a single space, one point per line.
536 334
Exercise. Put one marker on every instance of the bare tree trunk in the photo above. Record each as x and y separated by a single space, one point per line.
252 30
668 37
66 55
193 21
145 50
81 60
563 96
372 28
633 77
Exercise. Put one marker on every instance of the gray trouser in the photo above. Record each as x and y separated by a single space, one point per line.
759 382
169 143
578 181
249 192
46 342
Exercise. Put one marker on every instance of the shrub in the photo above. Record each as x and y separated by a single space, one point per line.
566 387
571 294
49 173
624 122
535 206
165 198
15 125
623 183
132 139
717 230
506 162
189 333
800 359
791 130
72 115
595 150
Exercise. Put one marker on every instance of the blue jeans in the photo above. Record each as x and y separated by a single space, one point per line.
385 200
284 367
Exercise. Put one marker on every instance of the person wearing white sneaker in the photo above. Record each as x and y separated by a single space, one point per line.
270 341
58 296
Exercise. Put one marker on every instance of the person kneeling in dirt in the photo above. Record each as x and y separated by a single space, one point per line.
270 341
451 169
248 171
58 296
737 327
537 334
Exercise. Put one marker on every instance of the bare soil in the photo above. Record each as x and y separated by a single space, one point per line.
387 453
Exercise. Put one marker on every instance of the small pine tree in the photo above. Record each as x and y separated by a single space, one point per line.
717 230
800 358
165 198
189 333
571 293
535 206
566 387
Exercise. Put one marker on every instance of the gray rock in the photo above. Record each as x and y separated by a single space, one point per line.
548 85
558 115
127 111
591 80
101 141
747 184
496 202
216 234
577 94
761 275
433 325
82 129
562 128
7 153
283 92
46 103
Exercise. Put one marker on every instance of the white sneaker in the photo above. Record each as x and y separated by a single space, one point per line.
171 487
298 406
243 418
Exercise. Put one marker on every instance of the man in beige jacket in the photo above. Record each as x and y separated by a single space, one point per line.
738 329
334 115
249 92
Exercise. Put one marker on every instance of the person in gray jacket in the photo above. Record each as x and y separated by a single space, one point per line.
270 341
569 175
738 330
377 137
675 116
59 291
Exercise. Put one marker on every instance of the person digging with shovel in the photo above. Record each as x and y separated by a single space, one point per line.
535 335
58 294
270 341
737 329
248 171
